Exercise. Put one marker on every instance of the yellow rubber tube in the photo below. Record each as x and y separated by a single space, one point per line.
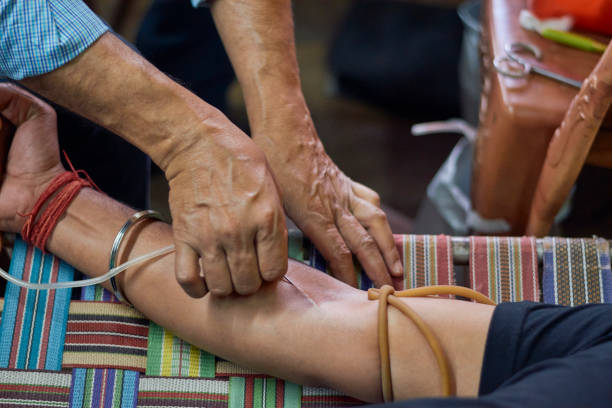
387 295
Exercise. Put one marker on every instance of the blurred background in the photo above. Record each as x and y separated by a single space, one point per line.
370 69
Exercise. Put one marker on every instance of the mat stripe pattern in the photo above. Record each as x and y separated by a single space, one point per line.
168 356
98 338
427 260
33 322
183 392
105 335
103 387
576 271
43 389
263 393
504 268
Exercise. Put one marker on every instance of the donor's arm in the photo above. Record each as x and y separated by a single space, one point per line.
311 328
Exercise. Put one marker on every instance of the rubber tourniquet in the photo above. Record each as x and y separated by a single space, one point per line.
388 295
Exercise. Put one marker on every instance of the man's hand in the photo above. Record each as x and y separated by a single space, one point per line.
33 157
339 215
226 214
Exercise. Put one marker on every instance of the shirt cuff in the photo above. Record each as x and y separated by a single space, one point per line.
47 35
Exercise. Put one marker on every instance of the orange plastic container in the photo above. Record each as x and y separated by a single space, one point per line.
593 15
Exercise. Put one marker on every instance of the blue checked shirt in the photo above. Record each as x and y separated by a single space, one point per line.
38 36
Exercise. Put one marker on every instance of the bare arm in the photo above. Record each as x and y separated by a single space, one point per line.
314 330
113 86
225 206
339 215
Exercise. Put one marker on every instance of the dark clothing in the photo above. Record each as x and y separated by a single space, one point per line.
540 355
118 168
183 42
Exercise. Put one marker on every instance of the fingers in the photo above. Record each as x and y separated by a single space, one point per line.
244 272
216 272
236 268
375 222
327 239
365 193
272 254
363 245
187 270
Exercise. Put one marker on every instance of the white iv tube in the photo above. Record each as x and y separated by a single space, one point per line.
92 281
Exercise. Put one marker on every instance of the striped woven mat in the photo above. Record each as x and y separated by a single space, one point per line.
504 268
576 271
96 352
427 260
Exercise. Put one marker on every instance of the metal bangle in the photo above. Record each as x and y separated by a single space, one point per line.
140 215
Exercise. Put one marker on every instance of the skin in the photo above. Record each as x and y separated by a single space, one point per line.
225 206
227 193
339 215
309 330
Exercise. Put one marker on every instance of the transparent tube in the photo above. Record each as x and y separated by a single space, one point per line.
92 281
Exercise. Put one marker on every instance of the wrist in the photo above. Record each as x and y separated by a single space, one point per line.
274 101
28 189
196 122
284 116
206 142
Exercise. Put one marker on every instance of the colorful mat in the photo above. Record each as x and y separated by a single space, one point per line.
427 259
103 387
33 322
183 392
117 358
576 271
504 268
170 356
105 335
43 389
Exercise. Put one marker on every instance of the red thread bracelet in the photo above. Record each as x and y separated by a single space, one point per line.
63 188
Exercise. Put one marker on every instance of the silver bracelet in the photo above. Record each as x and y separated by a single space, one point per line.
117 243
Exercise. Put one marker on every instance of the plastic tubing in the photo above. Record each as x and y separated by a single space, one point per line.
92 281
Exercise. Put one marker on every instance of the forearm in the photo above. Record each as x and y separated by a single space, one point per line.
311 330
259 39
115 87
338 215
275 331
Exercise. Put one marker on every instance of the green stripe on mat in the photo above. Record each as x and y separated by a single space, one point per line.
271 393
168 355
117 392
293 395
236 392
154 346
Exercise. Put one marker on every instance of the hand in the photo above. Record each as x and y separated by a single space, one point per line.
339 215
228 221
33 158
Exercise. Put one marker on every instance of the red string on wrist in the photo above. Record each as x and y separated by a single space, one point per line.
63 188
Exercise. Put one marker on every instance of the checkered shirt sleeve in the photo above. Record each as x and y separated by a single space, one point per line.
38 36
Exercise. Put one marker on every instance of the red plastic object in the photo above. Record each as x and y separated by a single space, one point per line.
593 15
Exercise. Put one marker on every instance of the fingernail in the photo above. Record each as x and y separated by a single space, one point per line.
398 269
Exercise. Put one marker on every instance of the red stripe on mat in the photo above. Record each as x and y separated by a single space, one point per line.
479 265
